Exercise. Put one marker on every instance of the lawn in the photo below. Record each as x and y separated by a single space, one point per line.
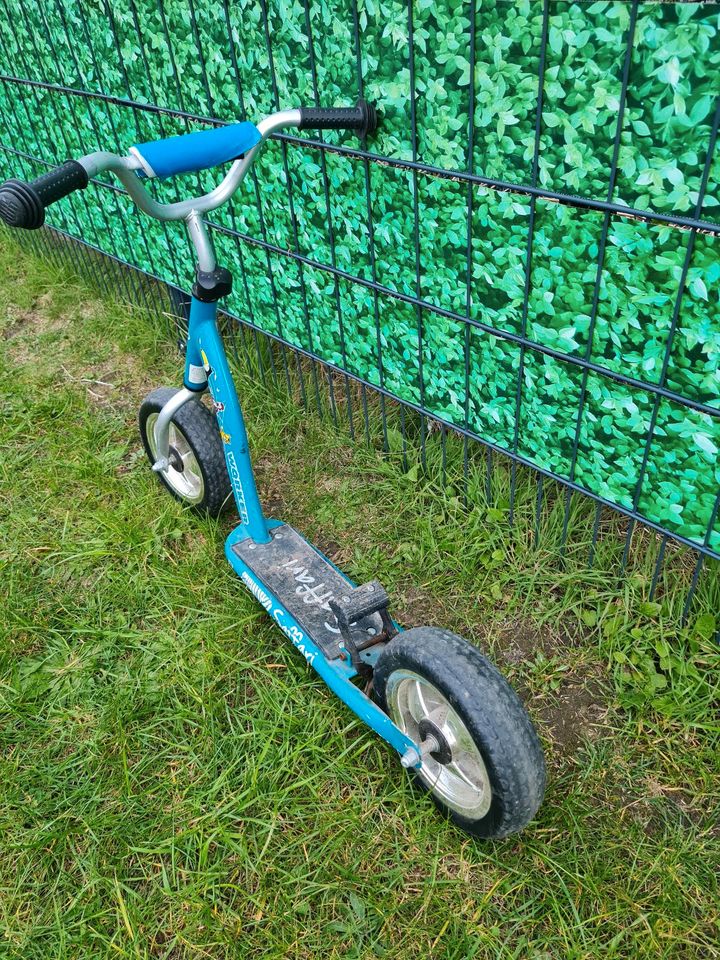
176 783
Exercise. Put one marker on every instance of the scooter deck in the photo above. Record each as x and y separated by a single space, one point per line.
305 581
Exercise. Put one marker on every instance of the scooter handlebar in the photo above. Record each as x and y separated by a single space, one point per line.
23 204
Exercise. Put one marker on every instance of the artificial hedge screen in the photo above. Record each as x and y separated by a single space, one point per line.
225 60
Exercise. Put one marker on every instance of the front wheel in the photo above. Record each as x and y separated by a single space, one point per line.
482 761
196 474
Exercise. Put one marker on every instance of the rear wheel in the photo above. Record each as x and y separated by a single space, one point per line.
196 474
481 758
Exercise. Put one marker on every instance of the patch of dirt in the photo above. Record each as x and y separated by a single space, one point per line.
578 712
18 323
329 484
413 608
100 392
118 381
341 456
578 709
24 326
517 641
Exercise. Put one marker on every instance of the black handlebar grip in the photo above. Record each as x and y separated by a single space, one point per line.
361 117
23 204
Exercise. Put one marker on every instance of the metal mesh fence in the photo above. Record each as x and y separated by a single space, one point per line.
526 255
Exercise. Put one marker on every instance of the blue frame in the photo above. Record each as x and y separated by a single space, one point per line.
206 366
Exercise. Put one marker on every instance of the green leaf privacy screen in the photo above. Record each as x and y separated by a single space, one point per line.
475 259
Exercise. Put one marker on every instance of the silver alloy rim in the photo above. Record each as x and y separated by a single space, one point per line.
187 482
463 783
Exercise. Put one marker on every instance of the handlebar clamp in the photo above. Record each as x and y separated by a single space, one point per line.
211 286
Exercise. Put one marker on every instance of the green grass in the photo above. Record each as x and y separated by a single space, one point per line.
176 783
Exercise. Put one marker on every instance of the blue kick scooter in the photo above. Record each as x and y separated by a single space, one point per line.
453 719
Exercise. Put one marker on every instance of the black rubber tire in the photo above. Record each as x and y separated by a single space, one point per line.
200 429
492 713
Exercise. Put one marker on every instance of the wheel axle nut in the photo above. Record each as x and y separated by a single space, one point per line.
410 758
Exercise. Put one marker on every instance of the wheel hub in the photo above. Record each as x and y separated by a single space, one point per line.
175 460
182 474
451 765
433 742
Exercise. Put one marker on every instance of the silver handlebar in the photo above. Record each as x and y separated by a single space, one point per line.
124 168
